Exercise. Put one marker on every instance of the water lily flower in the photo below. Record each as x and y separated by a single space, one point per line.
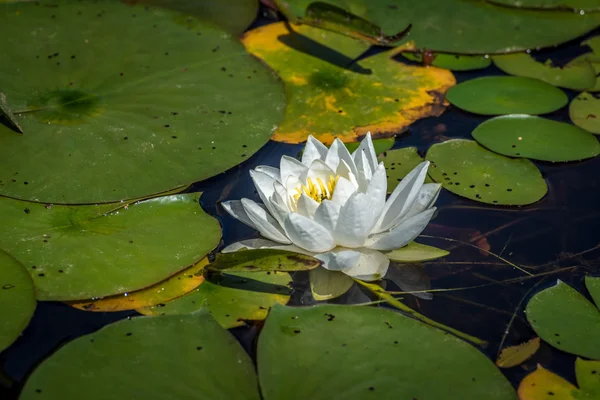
332 205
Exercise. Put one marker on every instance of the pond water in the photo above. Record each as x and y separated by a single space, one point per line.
556 238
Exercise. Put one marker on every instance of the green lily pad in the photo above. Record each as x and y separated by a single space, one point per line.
17 299
584 111
381 145
593 286
81 252
464 26
577 76
497 95
262 260
327 285
232 297
345 352
175 104
169 357
588 377
565 319
328 98
398 163
537 138
469 170
453 62
416 252
595 62
585 5
7 116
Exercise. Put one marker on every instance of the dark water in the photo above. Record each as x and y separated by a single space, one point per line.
558 235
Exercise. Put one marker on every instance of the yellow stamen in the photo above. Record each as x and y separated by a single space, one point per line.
318 191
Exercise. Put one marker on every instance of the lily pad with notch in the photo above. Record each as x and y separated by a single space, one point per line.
6 115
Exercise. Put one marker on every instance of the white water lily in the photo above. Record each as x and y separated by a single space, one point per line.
332 205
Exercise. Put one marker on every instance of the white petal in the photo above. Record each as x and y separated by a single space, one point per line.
355 221
263 184
250 244
271 171
308 234
337 153
402 198
291 167
291 184
427 196
306 206
319 170
365 173
236 210
343 190
314 150
376 192
372 265
402 234
327 215
264 222
339 259
279 211
366 146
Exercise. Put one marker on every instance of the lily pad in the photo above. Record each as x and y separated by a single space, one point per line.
516 355
584 111
262 260
416 252
390 354
543 384
327 285
381 145
469 170
157 116
453 62
169 357
577 76
585 5
81 252
398 163
520 135
232 298
17 299
497 95
565 319
329 96
464 26
593 286
7 117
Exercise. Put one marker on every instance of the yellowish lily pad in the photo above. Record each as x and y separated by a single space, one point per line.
584 111
416 252
329 96
326 285
515 355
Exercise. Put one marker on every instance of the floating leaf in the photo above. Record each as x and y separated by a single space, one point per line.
170 357
326 285
593 286
161 292
329 96
80 252
261 260
357 352
497 95
586 5
398 163
564 318
453 62
516 355
232 297
578 76
416 252
380 145
464 26
542 384
469 170
17 299
7 116
588 377
520 135
157 116
584 111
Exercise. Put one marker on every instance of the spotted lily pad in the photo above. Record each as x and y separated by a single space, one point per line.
416 252
346 352
17 299
469 170
585 5
330 97
80 252
464 26
398 163
157 116
232 297
584 111
180 357
578 76
565 319
453 62
497 95
521 135
543 384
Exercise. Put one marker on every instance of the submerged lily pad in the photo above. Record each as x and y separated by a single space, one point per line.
232 297
328 97
326 285
416 252
543 384
357 352
584 111
497 95
453 62
169 357
585 5
521 135
577 76
464 26
175 104
17 299
469 170
398 163
80 252
565 319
